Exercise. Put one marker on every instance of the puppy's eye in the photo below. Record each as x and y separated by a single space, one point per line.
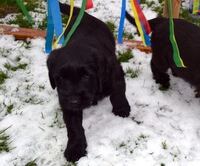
86 77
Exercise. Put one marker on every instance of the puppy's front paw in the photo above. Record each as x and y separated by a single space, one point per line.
122 112
197 91
75 151
94 102
163 80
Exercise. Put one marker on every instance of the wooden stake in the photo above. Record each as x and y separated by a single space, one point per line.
176 5
21 33
24 33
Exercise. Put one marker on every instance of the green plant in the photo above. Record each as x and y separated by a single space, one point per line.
164 145
9 108
4 141
122 144
3 77
142 136
21 66
31 5
125 55
132 73
43 24
56 121
8 2
128 35
189 17
4 52
158 8
111 26
7 6
10 6
21 21
31 163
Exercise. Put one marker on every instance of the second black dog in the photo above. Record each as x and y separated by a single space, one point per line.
84 71
188 40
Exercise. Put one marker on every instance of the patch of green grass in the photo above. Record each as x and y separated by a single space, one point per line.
21 21
4 141
142 136
43 24
189 17
8 2
164 145
122 145
56 121
111 26
26 44
31 163
33 100
148 3
10 6
132 73
4 52
31 5
21 66
158 8
41 87
184 13
65 19
3 77
144 2
9 108
125 55
128 35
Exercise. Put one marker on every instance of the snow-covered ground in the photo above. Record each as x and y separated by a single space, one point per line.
162 130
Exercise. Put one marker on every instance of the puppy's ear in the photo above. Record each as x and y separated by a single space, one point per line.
97 62
65 9
51 68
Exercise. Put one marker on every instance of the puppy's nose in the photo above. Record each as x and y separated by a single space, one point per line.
74 101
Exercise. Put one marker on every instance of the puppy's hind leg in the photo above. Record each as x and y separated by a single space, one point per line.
197 91
118 98
159 74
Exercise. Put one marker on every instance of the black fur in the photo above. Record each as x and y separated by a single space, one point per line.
188 40
84 71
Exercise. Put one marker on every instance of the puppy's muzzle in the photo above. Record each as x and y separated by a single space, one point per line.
75 103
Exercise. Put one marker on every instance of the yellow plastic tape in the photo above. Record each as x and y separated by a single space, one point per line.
137 21
55 45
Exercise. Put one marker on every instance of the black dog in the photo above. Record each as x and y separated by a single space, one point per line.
188 40
84 71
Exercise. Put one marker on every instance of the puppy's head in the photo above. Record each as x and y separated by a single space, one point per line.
76 86
76 83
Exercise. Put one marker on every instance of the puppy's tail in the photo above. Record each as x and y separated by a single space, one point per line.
130 19
153 22
65 9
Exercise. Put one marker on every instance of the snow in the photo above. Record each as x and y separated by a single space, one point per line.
163 127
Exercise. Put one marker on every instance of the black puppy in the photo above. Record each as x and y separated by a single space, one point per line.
188 40
84 71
